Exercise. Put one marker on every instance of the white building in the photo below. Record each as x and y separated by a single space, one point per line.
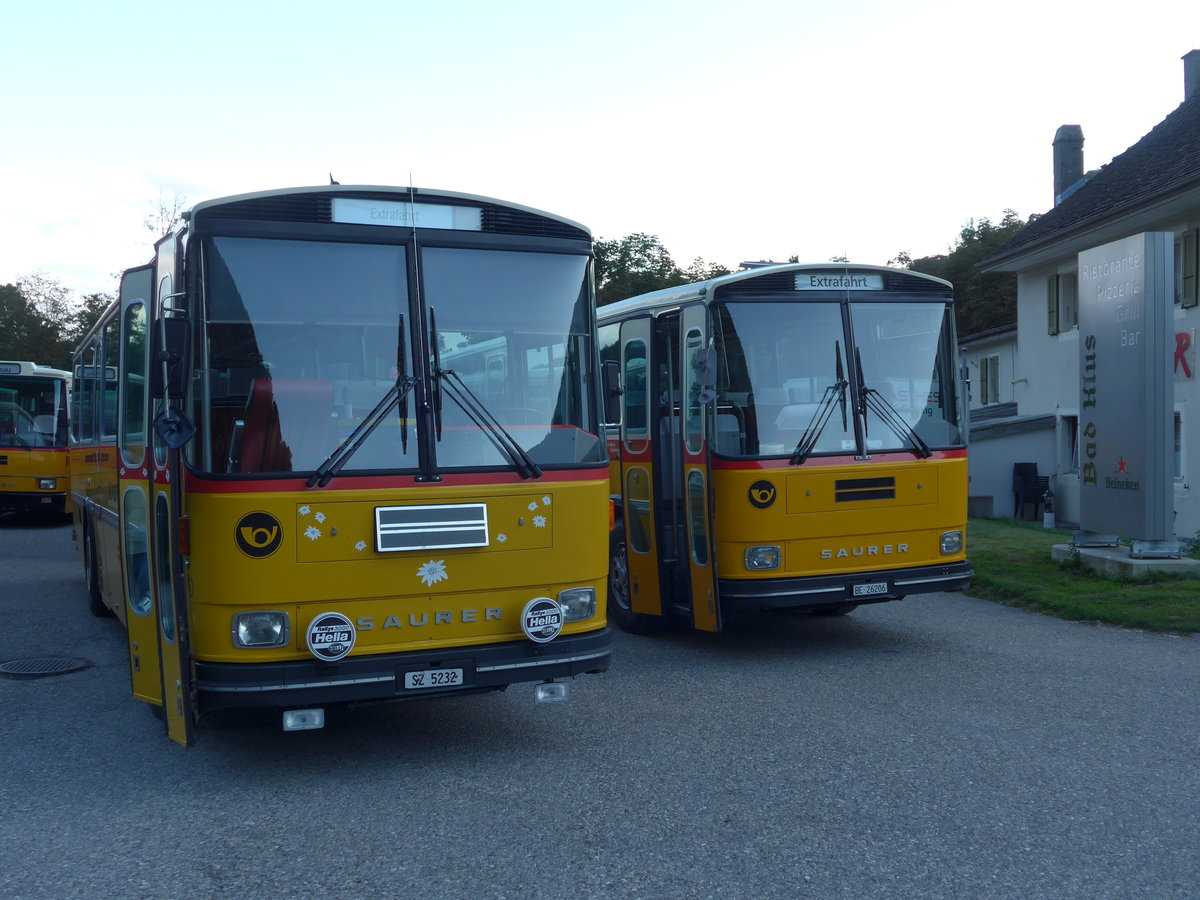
991 360
1152 186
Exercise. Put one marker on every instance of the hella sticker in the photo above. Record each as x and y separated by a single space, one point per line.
541 619
330 637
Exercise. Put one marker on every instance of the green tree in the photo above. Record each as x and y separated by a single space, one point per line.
982 301
41 321
25 333
87 314
700 270
638 263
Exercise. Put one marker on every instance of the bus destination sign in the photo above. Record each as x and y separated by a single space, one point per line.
837 281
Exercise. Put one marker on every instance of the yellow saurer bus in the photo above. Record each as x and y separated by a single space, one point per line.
784 437
33 438
341 445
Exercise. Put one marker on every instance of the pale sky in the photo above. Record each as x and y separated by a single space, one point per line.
732 130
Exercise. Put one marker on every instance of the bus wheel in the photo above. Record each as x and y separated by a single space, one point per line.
91 572
620 608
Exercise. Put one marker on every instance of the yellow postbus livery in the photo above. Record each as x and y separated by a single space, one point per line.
784 437
33 437
354 455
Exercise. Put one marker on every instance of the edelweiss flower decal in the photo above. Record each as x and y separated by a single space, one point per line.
546 500
312 533
539 521
533 506
433 572
360 546
305 510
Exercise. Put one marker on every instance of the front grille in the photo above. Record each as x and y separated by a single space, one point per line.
852 490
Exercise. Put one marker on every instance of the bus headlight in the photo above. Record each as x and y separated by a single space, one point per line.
577 603
760 558
261 629
952 542
47 484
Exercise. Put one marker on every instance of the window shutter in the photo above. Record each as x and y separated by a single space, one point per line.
984 380
1052 304
1188 293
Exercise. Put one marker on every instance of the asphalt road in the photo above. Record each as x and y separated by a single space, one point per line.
939 747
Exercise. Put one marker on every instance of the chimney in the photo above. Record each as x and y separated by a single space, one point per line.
1068 159
1191 74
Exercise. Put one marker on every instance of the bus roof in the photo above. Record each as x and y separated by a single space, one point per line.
377 191
675 296
23 367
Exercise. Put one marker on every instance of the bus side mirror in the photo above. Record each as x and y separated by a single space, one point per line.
611 381
171 344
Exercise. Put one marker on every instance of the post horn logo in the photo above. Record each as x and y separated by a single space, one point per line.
762 494
258 534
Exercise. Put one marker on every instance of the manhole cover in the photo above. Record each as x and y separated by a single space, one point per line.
41 667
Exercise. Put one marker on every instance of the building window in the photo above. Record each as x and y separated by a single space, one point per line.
1062 302
1186 294
1178 444
1068 448
989 380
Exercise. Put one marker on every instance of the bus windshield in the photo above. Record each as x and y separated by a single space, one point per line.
304 338
906 353
33 413
785 382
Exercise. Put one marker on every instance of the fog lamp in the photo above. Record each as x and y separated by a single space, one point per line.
577 603
261 629
47 484
303 719
760 558
552 692
952 542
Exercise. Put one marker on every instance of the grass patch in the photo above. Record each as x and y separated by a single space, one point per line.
1013 566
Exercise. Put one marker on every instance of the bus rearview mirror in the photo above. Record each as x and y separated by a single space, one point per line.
172 346
611 381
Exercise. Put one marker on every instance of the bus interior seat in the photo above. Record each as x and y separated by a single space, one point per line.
287 425
45 424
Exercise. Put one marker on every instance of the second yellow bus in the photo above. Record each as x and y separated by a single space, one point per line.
784 437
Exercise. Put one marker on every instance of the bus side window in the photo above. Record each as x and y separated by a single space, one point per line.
108 393
636 393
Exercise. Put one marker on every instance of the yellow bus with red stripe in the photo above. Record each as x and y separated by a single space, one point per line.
34 475
788 437
353 455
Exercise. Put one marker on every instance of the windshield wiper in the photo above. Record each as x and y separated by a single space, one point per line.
874 401
476 411
397 394
820 418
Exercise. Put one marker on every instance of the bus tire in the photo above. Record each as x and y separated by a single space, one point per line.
620 610
91 572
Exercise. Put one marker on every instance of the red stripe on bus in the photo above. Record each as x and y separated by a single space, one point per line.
201 485
820 461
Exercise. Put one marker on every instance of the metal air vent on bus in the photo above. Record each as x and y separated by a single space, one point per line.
851 490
